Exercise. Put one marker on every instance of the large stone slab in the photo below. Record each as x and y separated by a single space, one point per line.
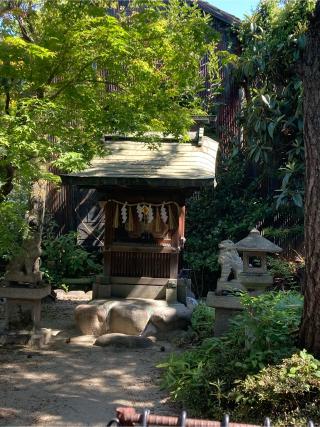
218 301
24 292
35 340
123 341
91 319
129 319
82 340
172 317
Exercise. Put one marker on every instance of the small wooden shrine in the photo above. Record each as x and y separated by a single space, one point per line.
143 193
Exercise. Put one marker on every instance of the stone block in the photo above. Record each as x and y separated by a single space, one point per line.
222 320
22 277
256 282
76 295
83 340
40 339
218 301
15 338
91 319
166 319
129 319
101 288
183 290
233 284
100 291
225 307
123 341
19 316
24 292
171 295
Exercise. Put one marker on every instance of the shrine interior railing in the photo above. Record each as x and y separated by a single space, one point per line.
143 261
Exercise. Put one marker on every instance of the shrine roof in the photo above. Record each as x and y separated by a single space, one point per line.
133 163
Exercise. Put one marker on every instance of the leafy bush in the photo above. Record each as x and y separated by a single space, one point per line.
13 226
290 391
284 272
202 321
62 257
228 211
267 328
202 378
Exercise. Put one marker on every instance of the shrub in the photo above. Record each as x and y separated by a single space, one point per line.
13 227
203 378
229 211
202 321
266 328
62 257
289 391
284 272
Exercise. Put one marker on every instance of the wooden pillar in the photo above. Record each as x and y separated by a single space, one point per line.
182 222
108 237
176 243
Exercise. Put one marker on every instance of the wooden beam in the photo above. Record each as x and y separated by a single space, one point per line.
140 249
152 281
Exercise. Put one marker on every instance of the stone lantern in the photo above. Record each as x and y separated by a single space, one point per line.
255 277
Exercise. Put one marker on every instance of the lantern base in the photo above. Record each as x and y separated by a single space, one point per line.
226 307
255 283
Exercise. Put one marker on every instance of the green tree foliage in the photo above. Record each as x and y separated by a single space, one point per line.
70 72
270 154
273 41
12 225
228 211
63 258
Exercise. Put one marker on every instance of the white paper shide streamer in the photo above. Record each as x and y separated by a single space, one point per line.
149 215
163 214
124 213
140 212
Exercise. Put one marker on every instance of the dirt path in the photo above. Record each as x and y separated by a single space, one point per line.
75 383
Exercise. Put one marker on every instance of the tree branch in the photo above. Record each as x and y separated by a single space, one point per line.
7 102
26 37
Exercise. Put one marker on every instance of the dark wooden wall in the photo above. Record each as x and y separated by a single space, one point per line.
75 209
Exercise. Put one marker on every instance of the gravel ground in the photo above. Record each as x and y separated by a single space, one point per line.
72 382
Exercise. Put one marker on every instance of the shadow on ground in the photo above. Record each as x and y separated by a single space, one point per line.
74 383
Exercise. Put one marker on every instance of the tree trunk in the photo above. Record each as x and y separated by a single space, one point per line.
7 187
24 266
310 326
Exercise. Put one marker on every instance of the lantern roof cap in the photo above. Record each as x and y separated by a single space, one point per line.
254 242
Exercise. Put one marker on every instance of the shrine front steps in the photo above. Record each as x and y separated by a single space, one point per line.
171 290
134 316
